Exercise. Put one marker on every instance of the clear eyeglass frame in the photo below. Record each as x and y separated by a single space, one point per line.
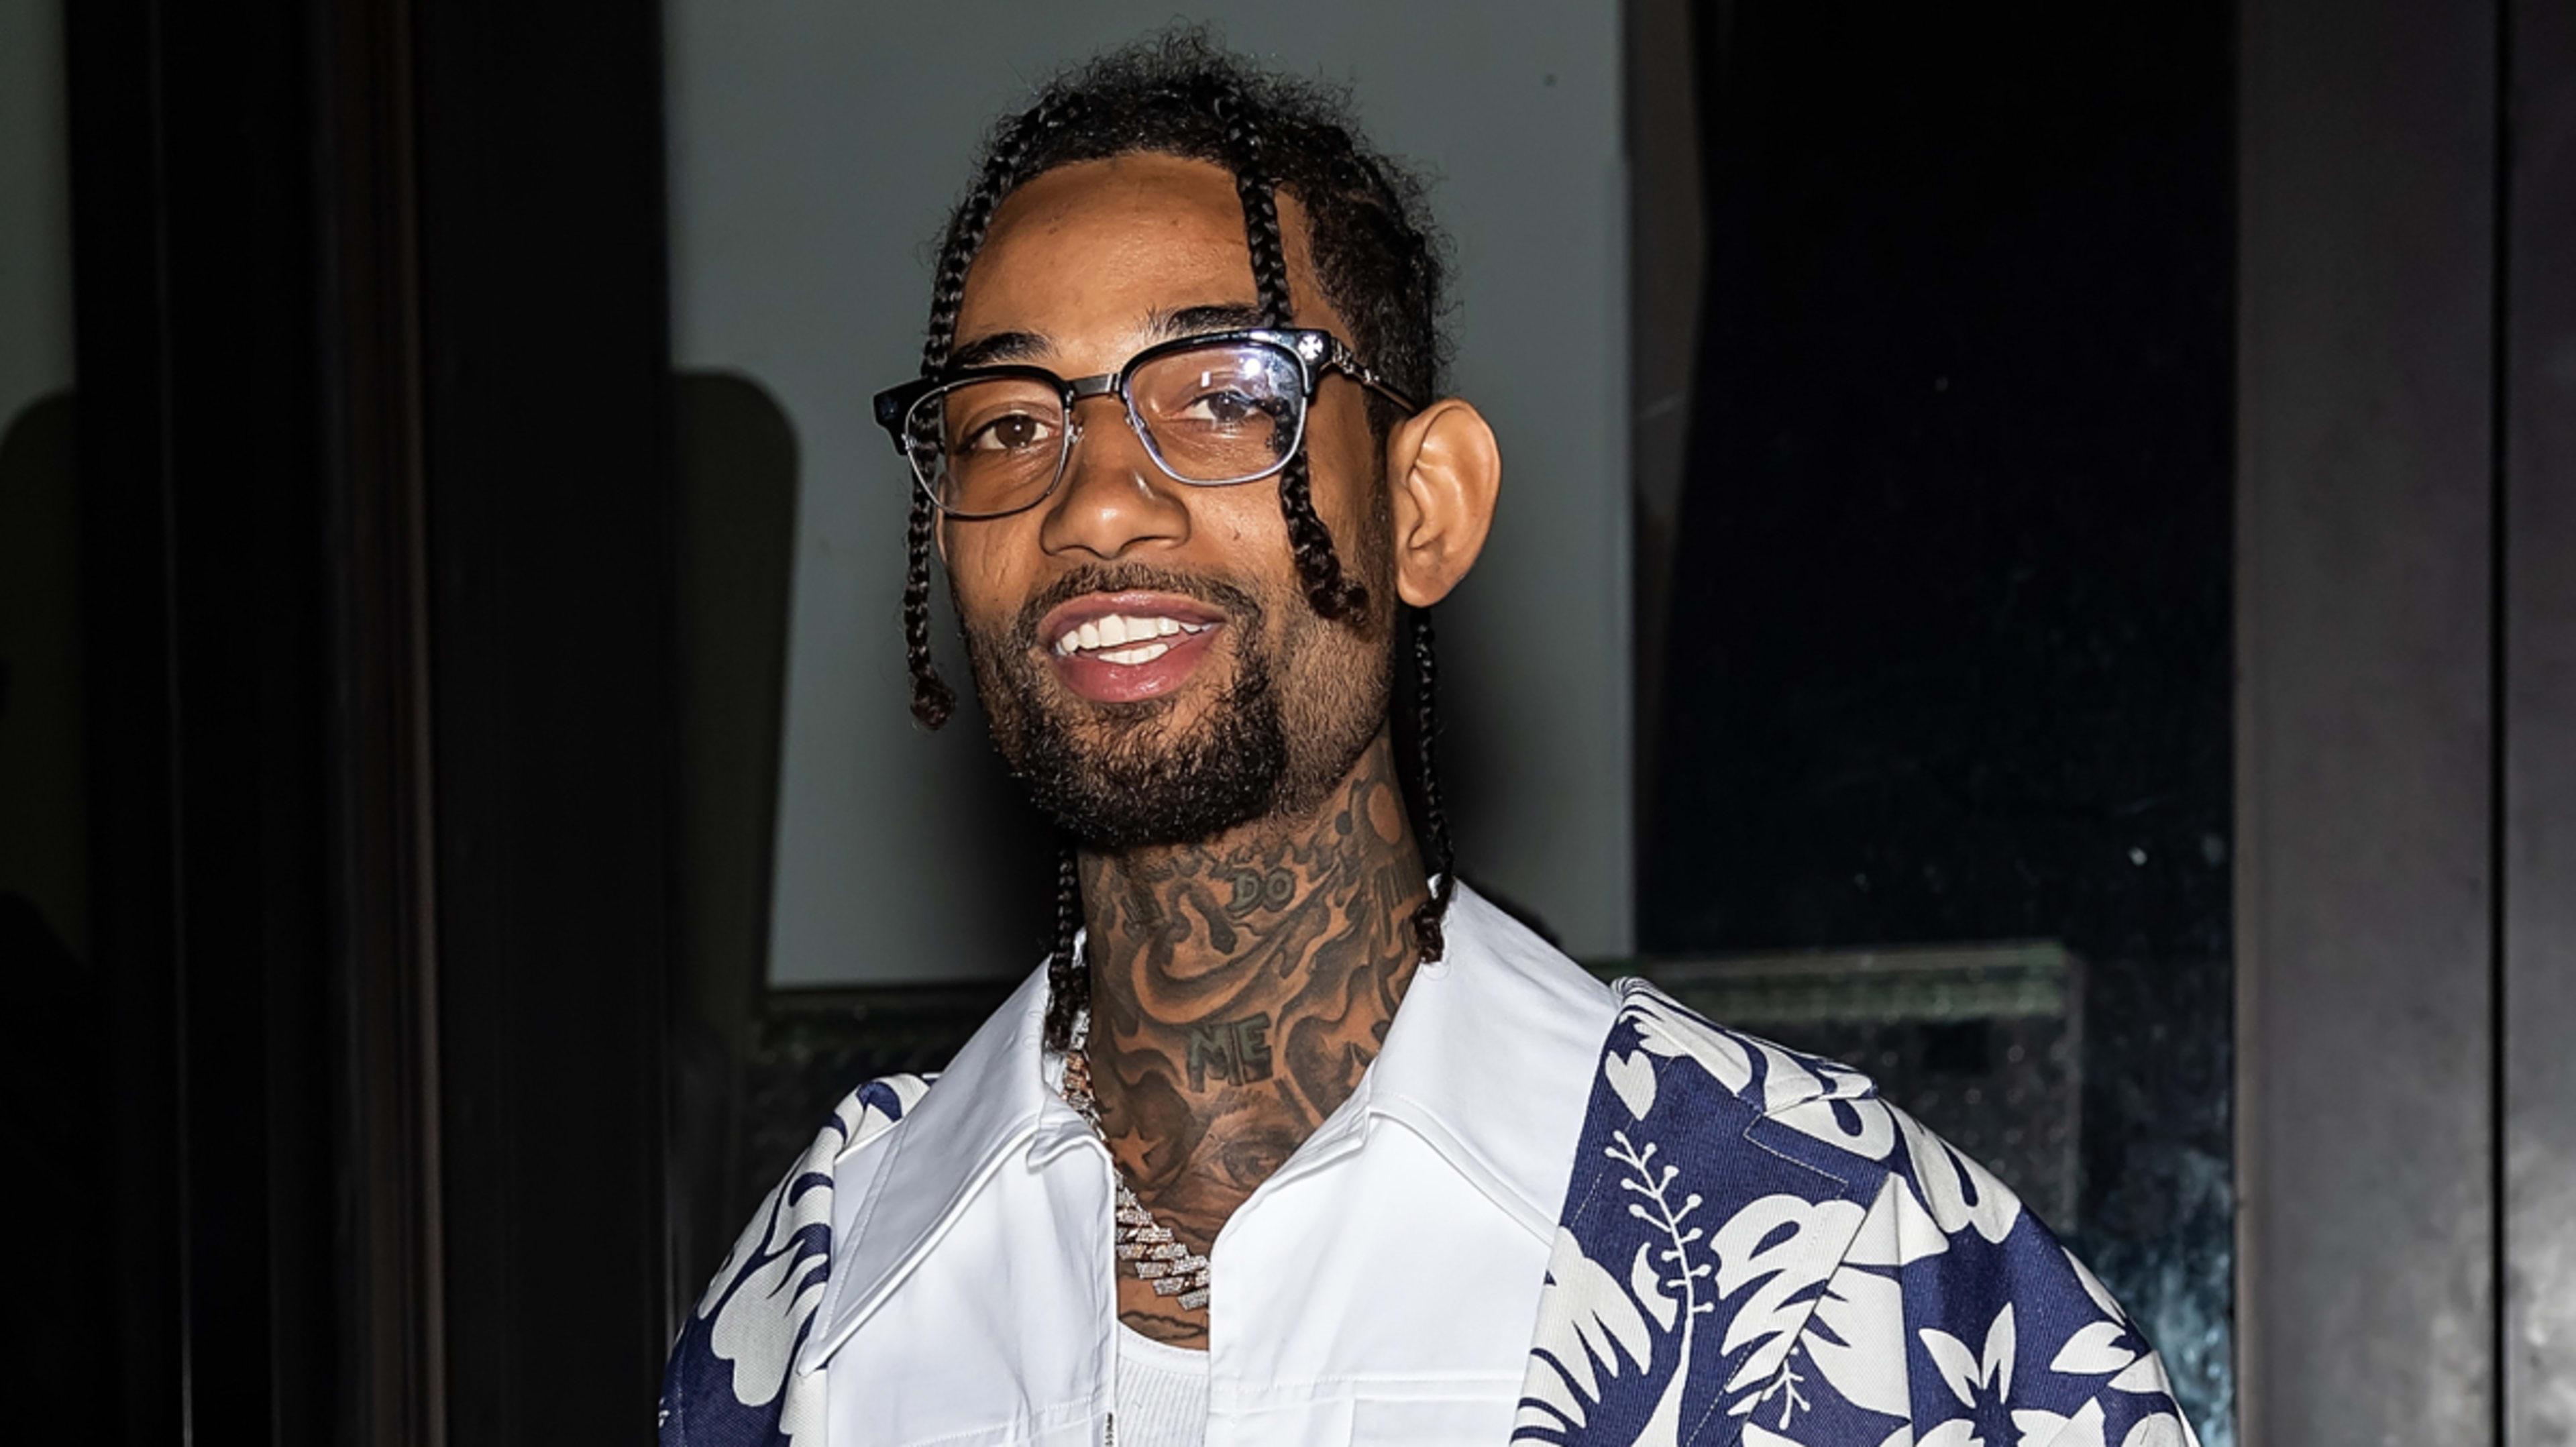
909 413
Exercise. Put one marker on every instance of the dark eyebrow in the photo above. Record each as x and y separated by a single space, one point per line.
998 348
1161 326
1191 321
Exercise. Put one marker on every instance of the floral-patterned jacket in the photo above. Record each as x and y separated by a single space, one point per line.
1757 1249
1754 1249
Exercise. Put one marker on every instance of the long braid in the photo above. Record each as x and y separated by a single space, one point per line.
1430 917
932 699
1068 983
1319 568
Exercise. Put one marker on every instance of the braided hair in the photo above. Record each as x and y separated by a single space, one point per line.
1377 260
1318 567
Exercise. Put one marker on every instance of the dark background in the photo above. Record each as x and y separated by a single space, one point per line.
1947 653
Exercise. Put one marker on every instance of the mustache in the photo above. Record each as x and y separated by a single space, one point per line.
1236 602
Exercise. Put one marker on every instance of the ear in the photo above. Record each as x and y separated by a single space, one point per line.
1447 470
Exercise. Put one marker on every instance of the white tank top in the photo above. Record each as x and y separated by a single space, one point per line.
1162 1393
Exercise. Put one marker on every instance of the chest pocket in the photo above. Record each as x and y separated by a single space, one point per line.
1484 1420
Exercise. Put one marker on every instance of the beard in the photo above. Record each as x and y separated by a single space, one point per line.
1122 776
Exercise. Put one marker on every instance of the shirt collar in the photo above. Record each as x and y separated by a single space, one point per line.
1489 1060
994 1096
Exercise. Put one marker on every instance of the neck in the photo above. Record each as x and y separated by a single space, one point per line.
1240 987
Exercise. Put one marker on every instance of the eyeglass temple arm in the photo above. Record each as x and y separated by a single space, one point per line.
1340 356
1369 379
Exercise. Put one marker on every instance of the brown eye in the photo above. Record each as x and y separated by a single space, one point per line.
1010 432
1223 409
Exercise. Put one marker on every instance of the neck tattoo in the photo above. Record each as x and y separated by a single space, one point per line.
1146 1245
1239 991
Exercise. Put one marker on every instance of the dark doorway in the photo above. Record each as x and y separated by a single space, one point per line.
1946 653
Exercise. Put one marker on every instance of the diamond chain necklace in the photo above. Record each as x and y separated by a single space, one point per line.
1146 1245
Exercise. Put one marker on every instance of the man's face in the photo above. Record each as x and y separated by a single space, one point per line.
1216 696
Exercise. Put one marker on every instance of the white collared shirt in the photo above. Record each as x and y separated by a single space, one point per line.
1380 1287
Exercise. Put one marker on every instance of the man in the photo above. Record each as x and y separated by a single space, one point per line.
1297 1140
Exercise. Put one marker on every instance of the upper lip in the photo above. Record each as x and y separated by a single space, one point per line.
1091 607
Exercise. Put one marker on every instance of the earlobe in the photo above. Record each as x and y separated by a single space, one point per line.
1449 471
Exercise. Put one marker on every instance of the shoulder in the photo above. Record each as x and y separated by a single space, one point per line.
728 1382
1818 1125
1860 1273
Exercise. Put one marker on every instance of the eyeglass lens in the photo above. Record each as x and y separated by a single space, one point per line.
1216 414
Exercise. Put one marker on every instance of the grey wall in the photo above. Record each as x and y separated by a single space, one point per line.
41 850
813 152
35 206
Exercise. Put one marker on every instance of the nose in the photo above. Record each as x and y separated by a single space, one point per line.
1113 498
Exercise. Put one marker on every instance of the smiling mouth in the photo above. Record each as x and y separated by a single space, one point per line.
1126 647
1127 639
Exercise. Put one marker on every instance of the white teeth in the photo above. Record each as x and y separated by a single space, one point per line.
1118 630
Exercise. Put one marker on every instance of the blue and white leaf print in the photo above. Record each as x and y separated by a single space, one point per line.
1590 1331
1781 1271
729 1381
1756 1249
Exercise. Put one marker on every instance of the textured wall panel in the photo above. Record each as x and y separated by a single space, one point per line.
2364 466
2540 732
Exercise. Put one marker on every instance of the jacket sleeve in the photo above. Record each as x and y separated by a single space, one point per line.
1754 1248
2011 1339
730 1381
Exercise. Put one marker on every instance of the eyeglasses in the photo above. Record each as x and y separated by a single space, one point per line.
1212 411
